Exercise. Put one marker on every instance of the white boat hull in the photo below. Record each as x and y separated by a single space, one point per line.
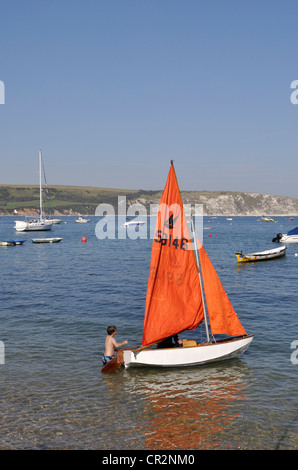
11 242
289 239
187 356
133 223
53 221
22 226
4 243
46 240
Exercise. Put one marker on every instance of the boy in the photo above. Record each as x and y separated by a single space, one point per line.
110 344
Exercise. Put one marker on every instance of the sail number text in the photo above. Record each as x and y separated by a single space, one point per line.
167 276
176 242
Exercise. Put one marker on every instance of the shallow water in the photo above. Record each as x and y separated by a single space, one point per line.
56 302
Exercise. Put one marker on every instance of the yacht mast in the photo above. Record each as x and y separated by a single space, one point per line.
40 189
200 277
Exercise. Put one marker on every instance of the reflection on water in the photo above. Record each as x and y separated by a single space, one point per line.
183 409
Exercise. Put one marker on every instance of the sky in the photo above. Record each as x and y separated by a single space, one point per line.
112 90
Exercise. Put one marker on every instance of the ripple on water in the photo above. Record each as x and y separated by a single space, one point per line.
56 303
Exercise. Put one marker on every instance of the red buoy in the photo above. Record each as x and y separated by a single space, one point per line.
84 239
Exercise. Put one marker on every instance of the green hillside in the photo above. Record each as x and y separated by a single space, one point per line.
73 200
63 199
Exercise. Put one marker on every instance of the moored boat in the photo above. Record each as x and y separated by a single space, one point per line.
261 255
134 223
46 240
32 225
53 221
37 224
11 242
290 237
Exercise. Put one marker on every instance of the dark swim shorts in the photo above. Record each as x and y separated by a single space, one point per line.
106 359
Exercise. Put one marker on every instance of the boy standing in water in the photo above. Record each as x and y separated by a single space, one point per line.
111 344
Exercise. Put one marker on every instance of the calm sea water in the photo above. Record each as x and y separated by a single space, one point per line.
56 303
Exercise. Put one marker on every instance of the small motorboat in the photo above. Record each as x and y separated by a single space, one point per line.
46 240
11 242
82 220
290 237
134 223
52 221
261 255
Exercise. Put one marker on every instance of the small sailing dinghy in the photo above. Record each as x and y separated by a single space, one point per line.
175 298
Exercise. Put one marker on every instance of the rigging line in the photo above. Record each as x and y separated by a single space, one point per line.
46 187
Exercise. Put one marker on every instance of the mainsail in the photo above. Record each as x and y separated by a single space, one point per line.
174 300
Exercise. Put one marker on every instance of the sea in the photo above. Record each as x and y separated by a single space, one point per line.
56 303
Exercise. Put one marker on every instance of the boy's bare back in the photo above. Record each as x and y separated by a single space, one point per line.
111 343
110 346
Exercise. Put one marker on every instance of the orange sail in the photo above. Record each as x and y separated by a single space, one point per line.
222 317
174 301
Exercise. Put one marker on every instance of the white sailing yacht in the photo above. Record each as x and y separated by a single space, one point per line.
49 220
35 224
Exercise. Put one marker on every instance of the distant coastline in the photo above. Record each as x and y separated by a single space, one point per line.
80 200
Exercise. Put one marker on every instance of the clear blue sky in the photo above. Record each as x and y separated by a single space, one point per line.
112 90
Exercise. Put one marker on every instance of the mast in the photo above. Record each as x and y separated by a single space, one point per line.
46 188
40 189
200 277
